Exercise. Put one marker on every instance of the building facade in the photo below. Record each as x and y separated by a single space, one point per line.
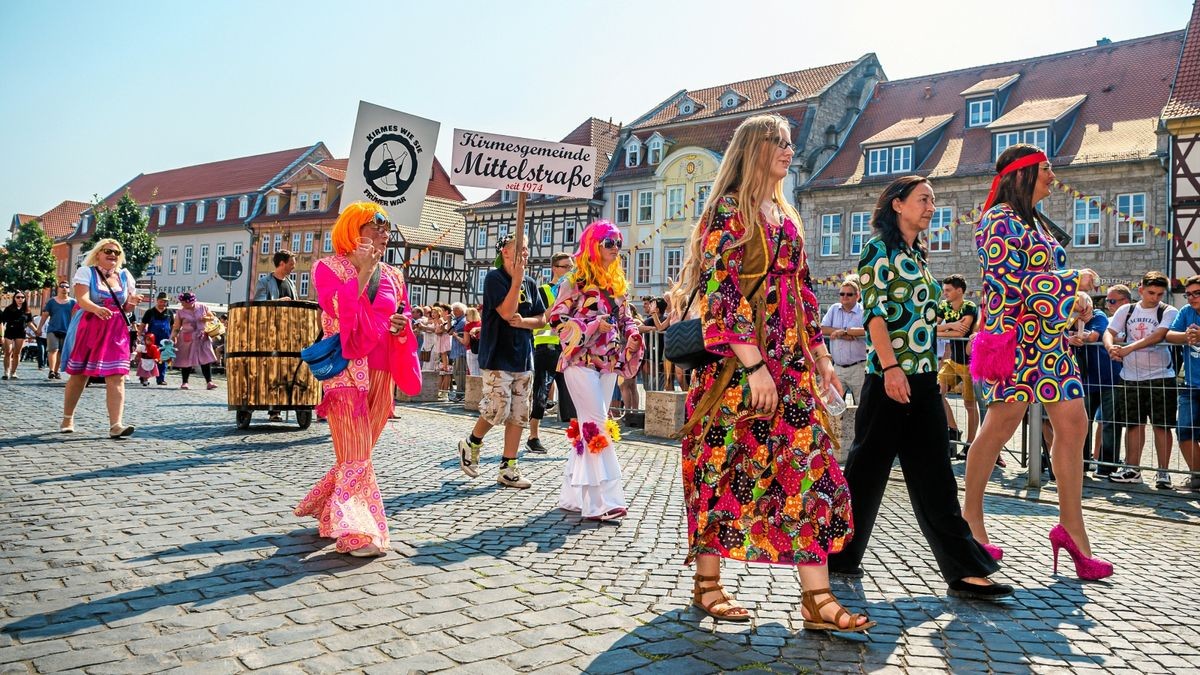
58 223
1095 113
552 224
1181 121
662 171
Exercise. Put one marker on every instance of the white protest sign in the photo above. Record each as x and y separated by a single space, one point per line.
523 164
391 161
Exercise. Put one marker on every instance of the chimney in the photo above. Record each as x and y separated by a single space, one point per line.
1103 42
928 92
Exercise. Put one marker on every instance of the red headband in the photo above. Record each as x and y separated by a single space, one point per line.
1027 160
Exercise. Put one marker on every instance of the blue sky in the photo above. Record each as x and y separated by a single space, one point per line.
93 93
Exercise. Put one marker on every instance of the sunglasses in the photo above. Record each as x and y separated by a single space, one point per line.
611 243
379 223
1110 301
110 251
19 297
847 295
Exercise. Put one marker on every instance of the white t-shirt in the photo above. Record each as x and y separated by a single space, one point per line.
1136 322
83 275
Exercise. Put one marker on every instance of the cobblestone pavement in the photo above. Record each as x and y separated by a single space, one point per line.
176 550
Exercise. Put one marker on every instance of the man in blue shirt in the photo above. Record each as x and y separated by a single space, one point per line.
1186 330
56 318
458 348
512 309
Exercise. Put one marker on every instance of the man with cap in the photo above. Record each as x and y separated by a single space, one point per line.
157 321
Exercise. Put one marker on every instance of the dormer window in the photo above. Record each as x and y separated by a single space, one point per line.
687 108
506 196
729 101
633 153
778 94
654 150
1005 139
221 209
243 206
162 215
314 201
893 159
273 204
84 224
180 213
980 112
302 201
200 211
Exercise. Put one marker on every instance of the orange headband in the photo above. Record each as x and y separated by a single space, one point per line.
1027 160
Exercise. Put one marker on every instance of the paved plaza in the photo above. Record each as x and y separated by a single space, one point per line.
176 550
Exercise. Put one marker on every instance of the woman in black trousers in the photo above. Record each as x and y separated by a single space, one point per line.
900 299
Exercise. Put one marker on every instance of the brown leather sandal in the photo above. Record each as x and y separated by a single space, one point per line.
810 605
731 612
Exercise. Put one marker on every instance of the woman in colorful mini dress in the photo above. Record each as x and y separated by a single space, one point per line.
365 304
99 333
1021 352
760 480
600 342
193 347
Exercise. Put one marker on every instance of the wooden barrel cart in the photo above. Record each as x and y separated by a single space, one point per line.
262 358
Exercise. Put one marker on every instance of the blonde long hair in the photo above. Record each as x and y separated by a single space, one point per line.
90 259
744 175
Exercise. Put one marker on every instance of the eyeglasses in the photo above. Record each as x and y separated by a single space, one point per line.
563 267
847 295
783 145
111 251
1191 294
1111 301
611 243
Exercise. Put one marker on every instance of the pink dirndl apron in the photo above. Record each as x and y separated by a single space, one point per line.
101 347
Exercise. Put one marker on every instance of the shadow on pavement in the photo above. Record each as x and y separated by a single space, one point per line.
548 531
284 566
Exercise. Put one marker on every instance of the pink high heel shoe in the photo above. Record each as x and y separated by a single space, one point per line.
995 551
1088 569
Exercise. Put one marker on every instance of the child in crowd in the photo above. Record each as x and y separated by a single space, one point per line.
148 355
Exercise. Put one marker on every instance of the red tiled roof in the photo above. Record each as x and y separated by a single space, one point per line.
1185 95
990 85
334 169
440 185
229 177
909 129
805 83
60 220
1126 84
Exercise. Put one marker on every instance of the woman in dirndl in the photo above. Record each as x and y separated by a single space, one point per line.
98 336
365 304
193 346
600 342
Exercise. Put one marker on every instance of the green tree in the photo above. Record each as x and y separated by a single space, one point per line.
125 223
28 263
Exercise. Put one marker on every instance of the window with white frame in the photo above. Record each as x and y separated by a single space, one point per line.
273 204
448 259
1036 137
221 209
278 243
200 211
416 294
308 242
979 112
860 230
243 206
702 191
1005 139
654 151
641 275
180 213
675 202
633 153
547 228
645 213
302 201
878 160
1131 219
831 234
435 259
621 215
327 242
295 242
901 158
292 276
266 245
237 249
162 215
203 258
1087 222
940 234
303 290
481 237
220 251
172 260
545 275
501 230
569 231
187 259
480 276
672 263
314 201
261 275
507 196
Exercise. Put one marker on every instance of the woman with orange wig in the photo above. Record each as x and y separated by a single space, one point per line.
599 342
365 303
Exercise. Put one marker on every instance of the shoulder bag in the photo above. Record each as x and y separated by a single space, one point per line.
324 357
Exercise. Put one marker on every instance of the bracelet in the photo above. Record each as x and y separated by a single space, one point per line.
750 369
894 365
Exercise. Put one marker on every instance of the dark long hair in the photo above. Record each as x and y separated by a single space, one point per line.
1016 189
884 219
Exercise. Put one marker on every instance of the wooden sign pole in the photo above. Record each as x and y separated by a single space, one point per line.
520 223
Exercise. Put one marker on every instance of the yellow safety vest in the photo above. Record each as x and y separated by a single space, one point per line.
546 335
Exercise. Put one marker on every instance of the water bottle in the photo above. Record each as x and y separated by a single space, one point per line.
834 403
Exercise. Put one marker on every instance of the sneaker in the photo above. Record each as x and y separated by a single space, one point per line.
535 446
1125 476
1162 481
468 457
510 476
50 376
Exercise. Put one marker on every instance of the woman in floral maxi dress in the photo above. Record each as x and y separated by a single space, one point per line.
760 480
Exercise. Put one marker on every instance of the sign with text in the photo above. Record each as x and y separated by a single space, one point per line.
523 165
391 161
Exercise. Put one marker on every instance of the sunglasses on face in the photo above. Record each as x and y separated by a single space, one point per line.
1110 301
379 223
111 251
19 297
847 295
611 243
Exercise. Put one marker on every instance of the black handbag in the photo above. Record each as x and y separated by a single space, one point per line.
683 341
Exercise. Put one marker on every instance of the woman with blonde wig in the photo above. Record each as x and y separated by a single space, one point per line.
98 339
365 304
759 476
600 342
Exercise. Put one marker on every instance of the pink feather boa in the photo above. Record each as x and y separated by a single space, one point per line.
994 355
